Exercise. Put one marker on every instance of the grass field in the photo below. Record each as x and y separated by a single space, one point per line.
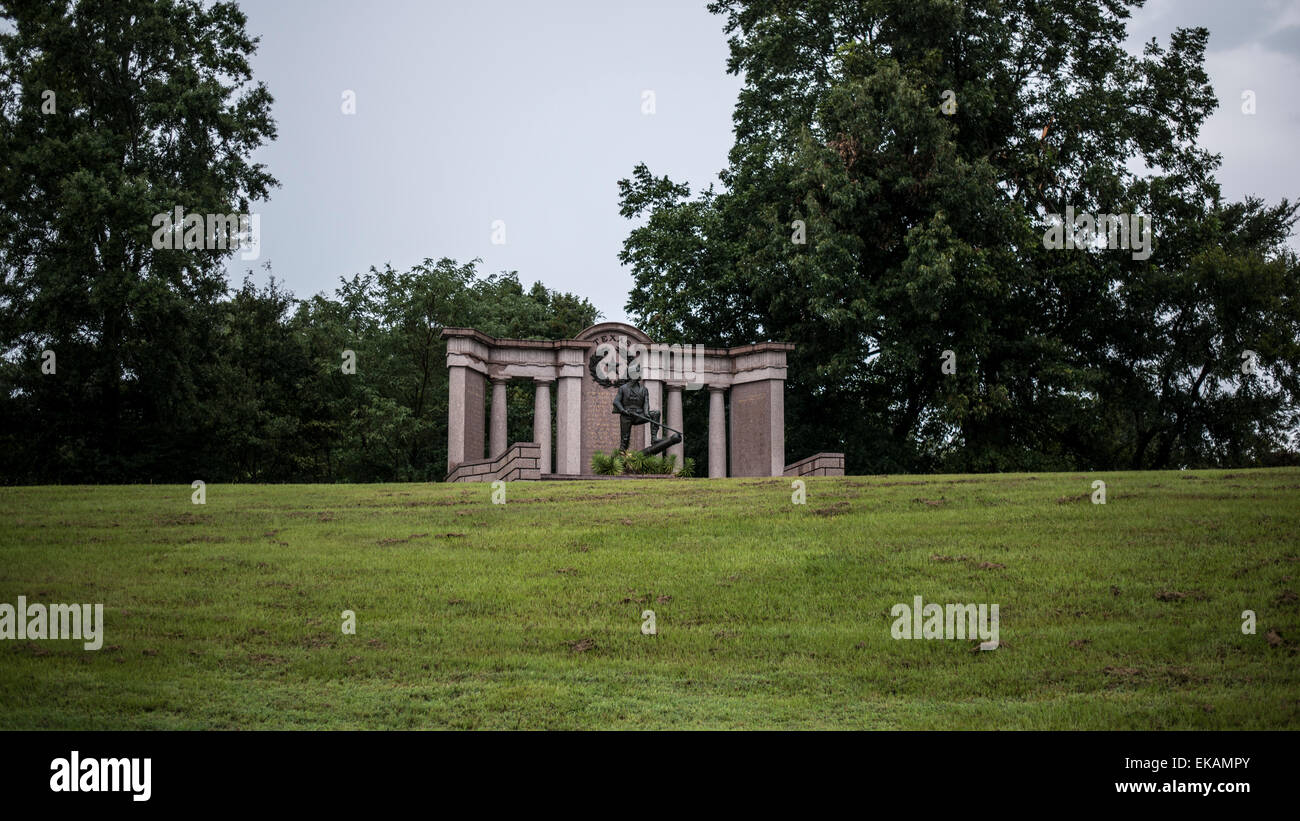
769 614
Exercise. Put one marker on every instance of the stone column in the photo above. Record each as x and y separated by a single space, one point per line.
717 433
497 444
542 422
674 420
464 415
568 425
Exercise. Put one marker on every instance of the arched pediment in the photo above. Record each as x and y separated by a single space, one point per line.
605 328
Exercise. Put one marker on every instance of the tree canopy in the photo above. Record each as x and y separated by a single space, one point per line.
122 361
896 165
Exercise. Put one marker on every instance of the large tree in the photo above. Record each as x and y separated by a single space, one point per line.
113 112
919 148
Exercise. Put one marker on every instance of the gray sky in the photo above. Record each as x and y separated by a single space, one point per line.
529 113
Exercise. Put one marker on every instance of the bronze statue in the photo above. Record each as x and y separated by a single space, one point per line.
631 403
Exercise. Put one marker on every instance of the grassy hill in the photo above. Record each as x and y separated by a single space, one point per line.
770 614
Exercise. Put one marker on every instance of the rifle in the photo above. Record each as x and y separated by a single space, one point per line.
659 445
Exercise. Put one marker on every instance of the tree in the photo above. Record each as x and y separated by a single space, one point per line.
1204 358
918 148
112 114
282 407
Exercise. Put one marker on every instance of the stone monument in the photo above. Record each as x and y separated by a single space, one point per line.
585 376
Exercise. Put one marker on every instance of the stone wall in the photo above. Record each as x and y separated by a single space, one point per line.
522 460
819 464
599 422
756 428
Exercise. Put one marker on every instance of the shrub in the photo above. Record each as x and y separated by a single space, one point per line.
606 464
632 463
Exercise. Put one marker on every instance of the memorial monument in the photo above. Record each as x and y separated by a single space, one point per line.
614 388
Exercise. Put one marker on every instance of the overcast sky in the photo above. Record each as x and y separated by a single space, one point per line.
528 113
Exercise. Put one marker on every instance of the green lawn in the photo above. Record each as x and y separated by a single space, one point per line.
770 614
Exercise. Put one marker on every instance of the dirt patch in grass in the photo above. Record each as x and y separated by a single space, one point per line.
1065 500
581 645
936 557
1176 595
1183 675
181 519
31 648
1237 574
833 510
386 542
189 540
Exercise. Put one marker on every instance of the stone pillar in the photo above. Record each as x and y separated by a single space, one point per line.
717 433
674 420
542 422
464 415
568 425
757 429
497 440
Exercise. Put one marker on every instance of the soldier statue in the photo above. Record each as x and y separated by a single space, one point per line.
632 404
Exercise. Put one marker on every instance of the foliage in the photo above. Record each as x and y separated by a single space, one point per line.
634 463
269 401
924 233
688 469
153 108
607 464
162 371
